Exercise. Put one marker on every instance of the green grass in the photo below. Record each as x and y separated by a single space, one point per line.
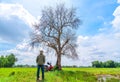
66 75
97 71
17 74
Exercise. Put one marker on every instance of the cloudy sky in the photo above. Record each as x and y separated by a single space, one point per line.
98 36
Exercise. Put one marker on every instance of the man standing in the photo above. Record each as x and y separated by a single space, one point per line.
40 60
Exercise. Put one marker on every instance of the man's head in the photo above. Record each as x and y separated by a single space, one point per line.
41 51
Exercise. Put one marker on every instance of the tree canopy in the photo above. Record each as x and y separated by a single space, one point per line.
7 61
106 64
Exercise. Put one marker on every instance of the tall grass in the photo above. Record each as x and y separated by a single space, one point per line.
97 71
70 76
66 75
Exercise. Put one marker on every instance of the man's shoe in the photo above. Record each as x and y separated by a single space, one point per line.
37 78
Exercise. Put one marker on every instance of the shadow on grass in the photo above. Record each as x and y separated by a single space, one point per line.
40 81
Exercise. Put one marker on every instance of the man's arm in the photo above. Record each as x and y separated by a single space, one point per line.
44 59
37 59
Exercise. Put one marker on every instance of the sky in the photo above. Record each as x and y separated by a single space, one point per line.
98 36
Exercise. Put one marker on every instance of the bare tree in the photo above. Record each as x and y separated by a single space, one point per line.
57 31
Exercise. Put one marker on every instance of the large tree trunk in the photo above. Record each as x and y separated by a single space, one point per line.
58 63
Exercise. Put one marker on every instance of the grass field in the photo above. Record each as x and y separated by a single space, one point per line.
66 75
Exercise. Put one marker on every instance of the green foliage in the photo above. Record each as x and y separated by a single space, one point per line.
107 64
26 65
7 61
96 64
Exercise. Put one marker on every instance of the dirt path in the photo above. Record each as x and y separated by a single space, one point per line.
103 78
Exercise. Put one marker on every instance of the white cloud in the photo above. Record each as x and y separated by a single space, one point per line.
117 35
8 10
2 41
116 21
35 6
27 55
99 47
81 38
24 46
118 1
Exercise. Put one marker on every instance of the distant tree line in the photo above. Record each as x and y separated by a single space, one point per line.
106 64
26 65
7 61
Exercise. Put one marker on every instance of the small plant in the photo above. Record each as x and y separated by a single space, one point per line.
12 73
